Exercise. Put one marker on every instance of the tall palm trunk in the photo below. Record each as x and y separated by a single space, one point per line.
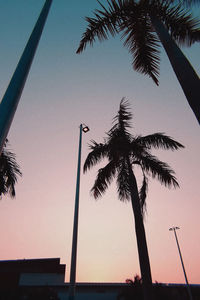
140 236
185 73
13 93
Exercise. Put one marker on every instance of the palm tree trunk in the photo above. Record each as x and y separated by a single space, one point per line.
13 93
141 237
185 73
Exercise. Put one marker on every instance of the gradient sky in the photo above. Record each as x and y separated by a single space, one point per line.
63 90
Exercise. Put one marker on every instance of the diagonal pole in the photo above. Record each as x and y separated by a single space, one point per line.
14 90
181 258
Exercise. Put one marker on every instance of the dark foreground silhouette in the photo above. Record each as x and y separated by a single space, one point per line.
133 291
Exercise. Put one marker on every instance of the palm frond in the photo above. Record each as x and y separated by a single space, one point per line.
183 27
9 170
124 114
143 194
122 119
118 137
99 151
103 179
142 43
104 22
158 140
160 170
123 182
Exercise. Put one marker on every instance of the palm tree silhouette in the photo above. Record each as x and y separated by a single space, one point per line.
9 170
124 152
144 25
132 290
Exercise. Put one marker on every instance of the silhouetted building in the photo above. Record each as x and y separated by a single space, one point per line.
31 272
43 279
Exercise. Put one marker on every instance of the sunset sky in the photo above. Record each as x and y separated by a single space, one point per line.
64 90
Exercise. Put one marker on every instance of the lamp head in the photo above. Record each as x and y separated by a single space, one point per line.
174 228
85 129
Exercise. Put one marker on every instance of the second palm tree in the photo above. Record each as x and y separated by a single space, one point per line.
124 151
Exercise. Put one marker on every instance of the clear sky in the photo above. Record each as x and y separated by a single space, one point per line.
63 90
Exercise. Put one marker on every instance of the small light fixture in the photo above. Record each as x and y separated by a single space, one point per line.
174 228
85 129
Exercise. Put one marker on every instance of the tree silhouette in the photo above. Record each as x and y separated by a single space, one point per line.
144 24
9 170
133 289
124 152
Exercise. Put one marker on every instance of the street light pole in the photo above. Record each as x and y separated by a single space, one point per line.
179 250
85 129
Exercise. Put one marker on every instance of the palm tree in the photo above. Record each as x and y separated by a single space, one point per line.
144 24
124 152
9 170
132 290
